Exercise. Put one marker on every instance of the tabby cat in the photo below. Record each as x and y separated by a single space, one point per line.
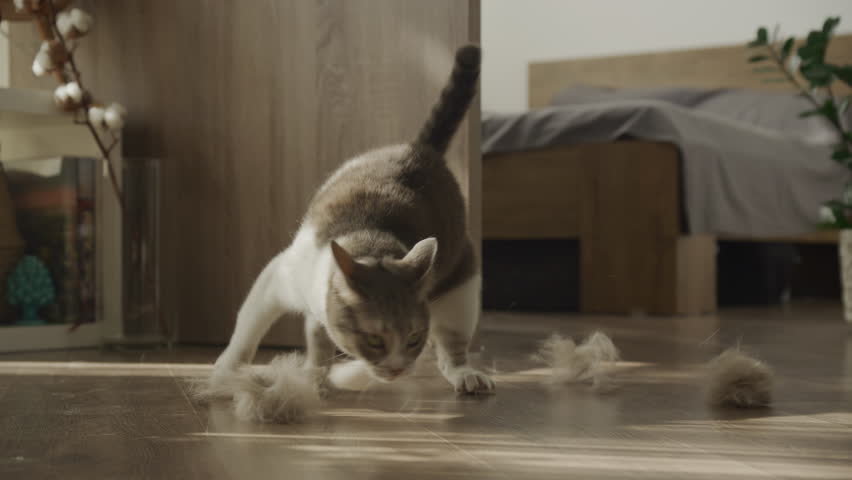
382 262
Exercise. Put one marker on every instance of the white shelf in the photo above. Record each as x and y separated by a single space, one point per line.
32 127
23 107
48 337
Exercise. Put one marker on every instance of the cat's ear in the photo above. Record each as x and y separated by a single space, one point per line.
347 265
417 263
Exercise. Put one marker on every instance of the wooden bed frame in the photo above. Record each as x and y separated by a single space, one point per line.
622 200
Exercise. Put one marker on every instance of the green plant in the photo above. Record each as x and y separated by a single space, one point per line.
819 76
30 288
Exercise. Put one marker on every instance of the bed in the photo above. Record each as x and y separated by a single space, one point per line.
631 200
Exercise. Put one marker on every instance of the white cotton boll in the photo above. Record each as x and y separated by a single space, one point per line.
38 69
74 92
114 116
591 360
42 62
738 380
113 120
74 23
61 93
119 108
64 23
61 97
96 116
81 20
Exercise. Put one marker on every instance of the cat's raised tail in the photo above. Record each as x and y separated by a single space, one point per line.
454 102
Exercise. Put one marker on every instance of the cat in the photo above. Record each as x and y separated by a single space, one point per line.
382 262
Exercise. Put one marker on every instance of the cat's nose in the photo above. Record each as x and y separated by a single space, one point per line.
395 372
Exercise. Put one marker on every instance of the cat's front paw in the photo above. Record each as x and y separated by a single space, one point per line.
469 380
326 390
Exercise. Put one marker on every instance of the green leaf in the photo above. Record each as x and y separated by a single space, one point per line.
841 154
818 74
827 109
761 39
844 73
765 69
757 58
813 50
830 23
787 48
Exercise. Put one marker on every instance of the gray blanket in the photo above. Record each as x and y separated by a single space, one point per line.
739 179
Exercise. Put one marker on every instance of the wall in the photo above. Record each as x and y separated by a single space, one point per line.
250 108
515 33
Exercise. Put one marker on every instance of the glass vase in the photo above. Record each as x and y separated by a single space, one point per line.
144 323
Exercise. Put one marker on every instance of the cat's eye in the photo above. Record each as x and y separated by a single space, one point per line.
374 341
414 339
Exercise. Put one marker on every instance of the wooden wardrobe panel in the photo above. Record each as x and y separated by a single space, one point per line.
251 106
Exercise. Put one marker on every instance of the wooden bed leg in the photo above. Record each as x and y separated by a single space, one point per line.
695 288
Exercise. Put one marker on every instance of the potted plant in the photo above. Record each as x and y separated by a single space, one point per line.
808 70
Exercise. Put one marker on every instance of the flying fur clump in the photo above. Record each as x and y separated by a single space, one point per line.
569 362
281 392
738 380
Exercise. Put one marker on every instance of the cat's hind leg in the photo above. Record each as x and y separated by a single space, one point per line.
454 316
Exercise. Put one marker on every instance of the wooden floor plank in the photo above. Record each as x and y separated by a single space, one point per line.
128 414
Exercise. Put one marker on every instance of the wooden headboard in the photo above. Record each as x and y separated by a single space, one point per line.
701 68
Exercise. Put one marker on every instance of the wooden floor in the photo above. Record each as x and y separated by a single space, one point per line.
93 415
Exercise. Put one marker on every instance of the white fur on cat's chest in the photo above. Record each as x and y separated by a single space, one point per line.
304 269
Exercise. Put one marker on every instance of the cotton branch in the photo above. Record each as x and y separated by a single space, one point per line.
59 31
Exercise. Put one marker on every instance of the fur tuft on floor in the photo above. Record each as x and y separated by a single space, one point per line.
738 380
591 360
280 392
